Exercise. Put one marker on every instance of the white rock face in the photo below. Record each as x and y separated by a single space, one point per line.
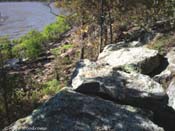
167 77
132 88
171 69
106 78
171 94
142 57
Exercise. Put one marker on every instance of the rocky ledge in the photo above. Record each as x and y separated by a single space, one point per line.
115 93
70 110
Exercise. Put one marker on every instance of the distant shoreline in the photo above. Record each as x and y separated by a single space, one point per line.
18 30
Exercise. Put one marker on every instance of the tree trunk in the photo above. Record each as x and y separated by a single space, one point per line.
5 96
101 25
110 26
82 49
83 36
105 35
3 85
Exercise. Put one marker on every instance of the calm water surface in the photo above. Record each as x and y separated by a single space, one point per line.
17 18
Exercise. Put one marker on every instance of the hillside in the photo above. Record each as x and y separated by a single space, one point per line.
107 66
114 93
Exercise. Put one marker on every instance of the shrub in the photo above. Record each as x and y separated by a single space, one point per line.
163 44
33 43
5 48
54 30
30 45
61 49
51 87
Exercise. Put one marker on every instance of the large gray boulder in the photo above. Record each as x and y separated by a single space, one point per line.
71 111
143 59
167 75
122 44
129 88
171 94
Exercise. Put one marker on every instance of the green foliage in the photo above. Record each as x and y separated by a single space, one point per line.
140 12
5 48
130 68
51 87
30 45
33 43
67 46
54 30
163 43
22 100
159 44
61 49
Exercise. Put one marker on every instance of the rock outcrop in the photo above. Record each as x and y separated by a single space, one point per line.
144 60
129 88
171 93
115 93
167 77
118 75
69 110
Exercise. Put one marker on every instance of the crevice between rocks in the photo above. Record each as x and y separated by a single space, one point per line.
162 66
143 68
163 116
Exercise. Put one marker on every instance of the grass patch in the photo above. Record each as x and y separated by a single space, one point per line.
5 48
61 49
163 43
54 31
29 46
51 87
32 44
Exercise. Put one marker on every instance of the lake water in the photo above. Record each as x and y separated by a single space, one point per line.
17 18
